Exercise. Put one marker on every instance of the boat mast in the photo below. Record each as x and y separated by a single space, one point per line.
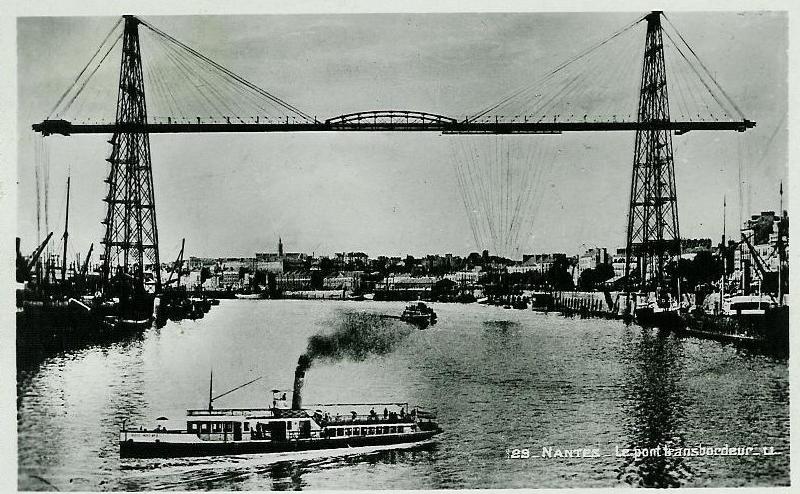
85 265
780 249
724 255
180 262
66 235
210 387
176 266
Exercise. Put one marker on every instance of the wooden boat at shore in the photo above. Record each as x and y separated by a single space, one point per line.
750 320
658 317
656 309
247 296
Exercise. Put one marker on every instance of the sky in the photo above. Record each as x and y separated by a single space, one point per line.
395 193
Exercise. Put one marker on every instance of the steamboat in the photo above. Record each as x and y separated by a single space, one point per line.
279 429
419 313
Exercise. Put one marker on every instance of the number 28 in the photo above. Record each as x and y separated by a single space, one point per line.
517 454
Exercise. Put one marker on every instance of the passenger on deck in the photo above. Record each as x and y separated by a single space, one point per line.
402 413
354 414
372 414
385 413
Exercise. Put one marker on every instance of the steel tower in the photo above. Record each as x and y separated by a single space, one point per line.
131 238
653 238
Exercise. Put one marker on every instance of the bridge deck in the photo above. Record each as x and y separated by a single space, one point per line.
64 127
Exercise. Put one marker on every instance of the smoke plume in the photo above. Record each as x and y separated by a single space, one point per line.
356 337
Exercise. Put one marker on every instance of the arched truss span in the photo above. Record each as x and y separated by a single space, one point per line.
391 119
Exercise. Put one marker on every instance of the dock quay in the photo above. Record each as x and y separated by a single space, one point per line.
607 305
769 333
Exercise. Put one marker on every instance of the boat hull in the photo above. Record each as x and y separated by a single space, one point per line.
769 331
247 296
420 320
148 449
662 319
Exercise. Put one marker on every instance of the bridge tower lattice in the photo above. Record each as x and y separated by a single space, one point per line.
653 236
131 236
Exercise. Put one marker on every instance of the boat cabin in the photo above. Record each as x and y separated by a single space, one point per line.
749 305
235 424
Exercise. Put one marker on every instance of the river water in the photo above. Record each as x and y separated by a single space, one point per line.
498 379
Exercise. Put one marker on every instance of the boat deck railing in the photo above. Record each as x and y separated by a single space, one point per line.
365 420
142 430
225 411
321 419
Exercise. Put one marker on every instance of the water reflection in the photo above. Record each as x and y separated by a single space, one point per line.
258 472
654 408
288 475
497 380
126 399
501 338
34 349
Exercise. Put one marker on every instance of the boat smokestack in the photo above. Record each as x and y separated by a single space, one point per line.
299 376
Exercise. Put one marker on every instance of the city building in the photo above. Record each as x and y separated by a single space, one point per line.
618 262
406 287
343 280
294 261
590 260
539 263
761 232
200 262
267 257
212 283
695 245
275 267
237 262
464 277
292 281
191 280
230 277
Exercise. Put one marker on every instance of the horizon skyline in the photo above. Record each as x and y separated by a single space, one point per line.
610 250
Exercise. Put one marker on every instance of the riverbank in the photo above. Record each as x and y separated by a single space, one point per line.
768 332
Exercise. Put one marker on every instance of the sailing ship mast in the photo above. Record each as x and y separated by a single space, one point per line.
176 267
780 248
179 263
210 390
724 254
66 235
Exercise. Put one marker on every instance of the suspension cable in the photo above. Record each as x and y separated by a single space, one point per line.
86 67
227 72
